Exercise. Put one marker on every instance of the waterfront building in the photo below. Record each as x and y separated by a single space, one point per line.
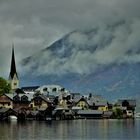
82 103
40 102
97 102
75 97
45 89
13 76
20 100
30 89
61 113
89 114
93 102
107 114
127 106
7 112
102 105
53 92
5 101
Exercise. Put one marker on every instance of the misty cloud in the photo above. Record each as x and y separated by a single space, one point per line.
90 50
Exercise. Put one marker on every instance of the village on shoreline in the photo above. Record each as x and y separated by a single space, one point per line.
53 102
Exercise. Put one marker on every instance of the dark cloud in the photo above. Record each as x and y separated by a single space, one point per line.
35 24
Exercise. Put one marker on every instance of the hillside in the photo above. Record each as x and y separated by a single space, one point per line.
104 61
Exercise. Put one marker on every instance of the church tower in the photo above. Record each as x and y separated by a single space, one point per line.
13 77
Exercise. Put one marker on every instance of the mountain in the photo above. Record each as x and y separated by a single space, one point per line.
103 61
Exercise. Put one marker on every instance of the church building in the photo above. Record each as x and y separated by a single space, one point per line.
13 76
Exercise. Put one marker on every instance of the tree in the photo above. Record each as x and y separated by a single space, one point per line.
117 113
4 86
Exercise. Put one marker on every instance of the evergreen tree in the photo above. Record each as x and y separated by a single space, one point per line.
4 86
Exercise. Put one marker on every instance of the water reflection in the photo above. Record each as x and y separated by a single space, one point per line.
75 129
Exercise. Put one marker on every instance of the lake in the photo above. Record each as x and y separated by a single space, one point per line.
71 130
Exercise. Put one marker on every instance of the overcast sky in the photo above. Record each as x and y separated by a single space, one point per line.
34 24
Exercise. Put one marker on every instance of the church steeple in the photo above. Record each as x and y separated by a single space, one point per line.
13 77
13 65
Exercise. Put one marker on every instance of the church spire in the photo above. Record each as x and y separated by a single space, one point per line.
13 77
13 65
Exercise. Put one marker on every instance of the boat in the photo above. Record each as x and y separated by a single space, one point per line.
13 118
48 120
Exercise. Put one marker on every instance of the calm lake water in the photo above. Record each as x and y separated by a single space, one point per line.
71 130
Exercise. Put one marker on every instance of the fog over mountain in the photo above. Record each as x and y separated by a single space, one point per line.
104 60
83 52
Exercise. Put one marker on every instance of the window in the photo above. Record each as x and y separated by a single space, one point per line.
24 98
16 98
9 104
31 105
66 110
62 89
85 106
54 89
37 101
45 89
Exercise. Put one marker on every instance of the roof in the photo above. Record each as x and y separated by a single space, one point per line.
90 112
42 109
101 103
76 108
50 88
6 96
19 90
76 98
50 97
32 112
97 100
82 99
53 94
108 113
43 97
99 97
13 65
76 94
30 96
3 110
10 96
30 88
131 102
61 108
